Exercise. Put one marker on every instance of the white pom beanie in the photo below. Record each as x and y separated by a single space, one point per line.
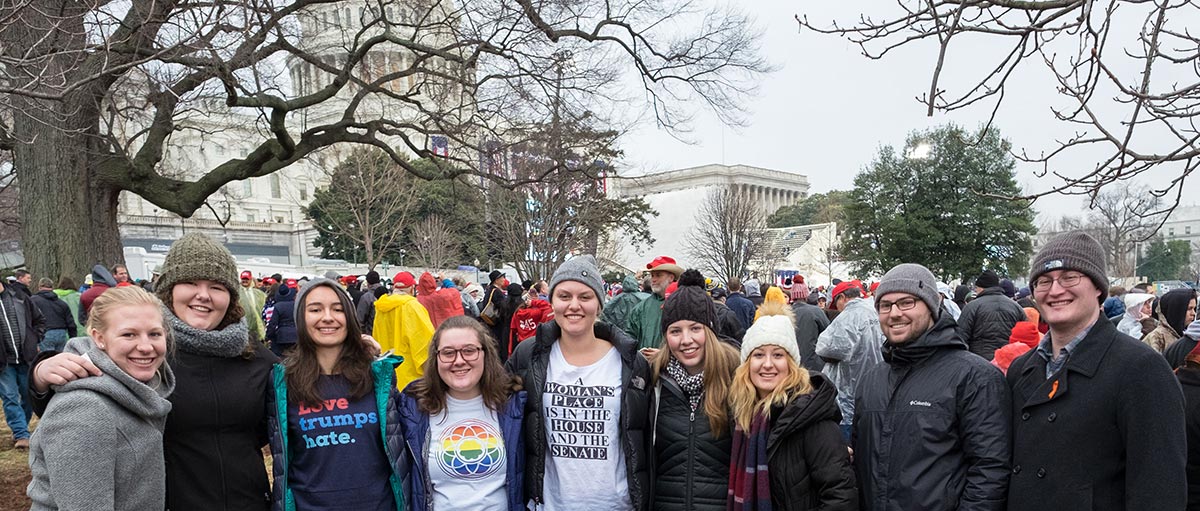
775 330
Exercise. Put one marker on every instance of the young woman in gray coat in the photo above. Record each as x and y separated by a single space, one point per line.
99 444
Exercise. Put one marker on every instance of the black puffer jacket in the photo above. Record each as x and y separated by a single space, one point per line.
691 465
987 321
931 427
1189 380
531 361
809 465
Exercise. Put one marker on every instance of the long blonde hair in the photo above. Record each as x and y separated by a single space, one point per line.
720 362
743 395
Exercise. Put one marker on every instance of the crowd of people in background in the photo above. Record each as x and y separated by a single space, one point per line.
664 390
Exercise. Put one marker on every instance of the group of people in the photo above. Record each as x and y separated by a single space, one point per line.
168 399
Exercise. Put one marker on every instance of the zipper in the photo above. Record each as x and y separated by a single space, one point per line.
11 334
691 454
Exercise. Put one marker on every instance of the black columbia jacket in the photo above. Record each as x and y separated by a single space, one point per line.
931 427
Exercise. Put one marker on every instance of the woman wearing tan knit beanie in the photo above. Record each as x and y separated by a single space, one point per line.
215 431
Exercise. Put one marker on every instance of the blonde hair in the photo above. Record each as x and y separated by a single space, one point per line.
743 395
126 296
720 362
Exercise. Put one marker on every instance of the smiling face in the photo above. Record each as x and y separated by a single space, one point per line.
201 304
134 338
324 317
121 274
686 340
768 368
463 372
1066 309
901 326
576 307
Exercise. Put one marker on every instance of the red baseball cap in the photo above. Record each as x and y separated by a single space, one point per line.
268 281
841 288
291 283
664 263
349 279
247 275
404 279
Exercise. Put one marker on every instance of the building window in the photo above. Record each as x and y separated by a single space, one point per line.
248 187
275 191
1187 229
1171 231
249 217
303 192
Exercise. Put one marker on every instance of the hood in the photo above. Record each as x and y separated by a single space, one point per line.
802 411
426 285
1133 304
63 293
751 288
101 275
389 302
48 295
1173 308
135 396
961 292
943 335
630 284
775 295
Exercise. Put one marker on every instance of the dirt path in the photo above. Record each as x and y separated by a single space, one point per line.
14 473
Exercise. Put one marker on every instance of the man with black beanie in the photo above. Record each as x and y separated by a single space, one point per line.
987 321
1098 417
365 308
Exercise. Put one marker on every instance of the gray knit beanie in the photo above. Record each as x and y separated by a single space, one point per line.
1072 251
197 257
581 269
913 279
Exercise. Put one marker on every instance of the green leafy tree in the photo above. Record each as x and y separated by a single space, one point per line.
818 208
938 203
1166 260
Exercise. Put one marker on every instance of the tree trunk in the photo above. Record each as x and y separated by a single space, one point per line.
68 216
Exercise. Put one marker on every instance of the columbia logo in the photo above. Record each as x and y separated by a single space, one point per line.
926 404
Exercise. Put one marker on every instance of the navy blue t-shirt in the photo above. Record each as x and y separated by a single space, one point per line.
337 456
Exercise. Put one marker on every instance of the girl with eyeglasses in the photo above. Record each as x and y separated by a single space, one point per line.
331 413
461 423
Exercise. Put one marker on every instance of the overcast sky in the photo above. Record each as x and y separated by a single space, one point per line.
828 109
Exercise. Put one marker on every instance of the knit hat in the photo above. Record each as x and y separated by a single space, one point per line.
580 269
987 279
776 325
1025 332
689 302
313 284
447 284
372 277
1007 286
197 257
1073 251
913 279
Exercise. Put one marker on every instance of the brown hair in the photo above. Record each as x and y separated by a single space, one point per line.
121 297
743 395
301 369
720 362
495 384
66 282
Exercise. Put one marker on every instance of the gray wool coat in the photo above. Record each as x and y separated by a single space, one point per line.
99 444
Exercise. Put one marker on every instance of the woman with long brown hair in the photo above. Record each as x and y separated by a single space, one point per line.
692 427
787 447
461 423
331 440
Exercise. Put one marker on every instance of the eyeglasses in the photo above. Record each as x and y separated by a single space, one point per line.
469 354
901 304
1064 281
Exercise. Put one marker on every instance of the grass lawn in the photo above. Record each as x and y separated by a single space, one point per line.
14 472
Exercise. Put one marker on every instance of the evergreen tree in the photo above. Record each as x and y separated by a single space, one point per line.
947 209
1165 260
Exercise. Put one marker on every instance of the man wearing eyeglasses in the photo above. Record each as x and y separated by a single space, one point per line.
1098 417
931 424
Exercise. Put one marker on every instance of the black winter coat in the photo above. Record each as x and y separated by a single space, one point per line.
807 460
55 311
986 322
742 307
691 465
1189 379
1176 354
281 329
30 324
1104 433
531 361
932 427
810 322
728 324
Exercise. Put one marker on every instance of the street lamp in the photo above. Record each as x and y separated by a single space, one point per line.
476 261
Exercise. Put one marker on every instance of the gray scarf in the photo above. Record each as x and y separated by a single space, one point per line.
226 343
692 385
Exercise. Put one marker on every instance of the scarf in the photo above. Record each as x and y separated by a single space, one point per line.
226 343
692 385
749 482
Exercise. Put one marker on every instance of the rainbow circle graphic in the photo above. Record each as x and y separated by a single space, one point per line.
471 449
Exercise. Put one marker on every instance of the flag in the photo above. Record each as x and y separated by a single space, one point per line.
440 145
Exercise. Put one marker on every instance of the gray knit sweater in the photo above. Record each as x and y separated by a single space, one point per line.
99 444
